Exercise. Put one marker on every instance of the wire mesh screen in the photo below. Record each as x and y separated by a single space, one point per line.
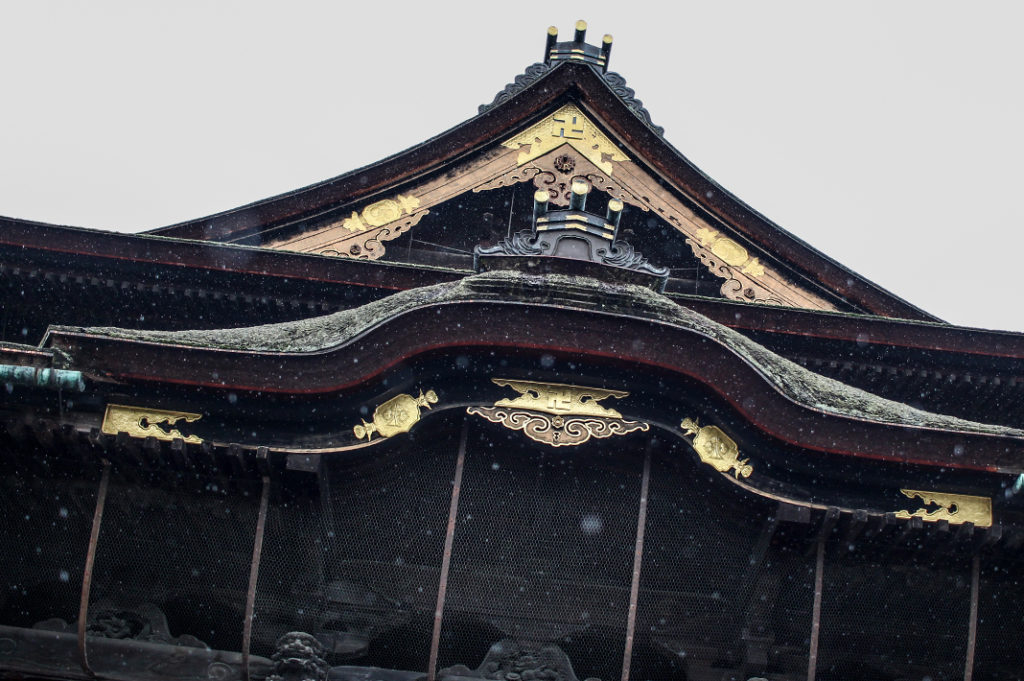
893 620
370 556
543 550
789 602
290 586
999 653
172 566
44 537
710 583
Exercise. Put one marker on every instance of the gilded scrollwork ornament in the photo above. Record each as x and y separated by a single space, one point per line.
955 508
397 415
557 431
369 243
731 261
555 172
143 422
381 213
558 414
716 449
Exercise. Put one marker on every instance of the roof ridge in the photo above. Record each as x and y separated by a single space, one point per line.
616 82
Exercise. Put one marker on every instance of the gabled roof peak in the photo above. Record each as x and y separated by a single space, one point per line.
577 49
615 82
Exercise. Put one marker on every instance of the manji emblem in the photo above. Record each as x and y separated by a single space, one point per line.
395 416
569 126
956 508
557 414
716 449
141 422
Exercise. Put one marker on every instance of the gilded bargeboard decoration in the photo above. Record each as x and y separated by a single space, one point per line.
557 414
563 147
716 449
395 416
393 217
381 213
956 508
552 164
556 171
142 422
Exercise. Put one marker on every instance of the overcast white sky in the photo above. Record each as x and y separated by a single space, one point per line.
886 134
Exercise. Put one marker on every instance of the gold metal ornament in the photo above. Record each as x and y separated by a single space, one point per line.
559 398
956 508
395 416
730 252
716 449
569 126
142 422
381 213
557 431
558 414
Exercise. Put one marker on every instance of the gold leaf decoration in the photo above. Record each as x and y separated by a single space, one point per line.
397 415
569 126
558 414
381 213
956 508
716 449
143 422
557 431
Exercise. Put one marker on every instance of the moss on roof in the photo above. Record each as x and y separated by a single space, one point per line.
797 383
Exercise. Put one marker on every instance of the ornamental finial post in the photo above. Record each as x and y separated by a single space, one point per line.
577 49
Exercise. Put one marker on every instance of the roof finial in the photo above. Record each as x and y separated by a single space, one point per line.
581 31
577 49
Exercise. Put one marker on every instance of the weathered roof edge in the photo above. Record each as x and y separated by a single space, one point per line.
799 385
614 103
30 238
615 81
518 104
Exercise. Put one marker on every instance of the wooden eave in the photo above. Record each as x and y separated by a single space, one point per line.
517 327
23 243
582 84
197 256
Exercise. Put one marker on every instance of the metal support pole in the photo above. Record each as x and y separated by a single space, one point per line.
90 561
819 569
638 556
254 574
446 560
972 625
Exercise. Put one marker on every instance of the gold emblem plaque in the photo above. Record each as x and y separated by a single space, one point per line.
395 416
716 449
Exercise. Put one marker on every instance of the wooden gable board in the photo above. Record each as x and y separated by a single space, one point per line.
758 260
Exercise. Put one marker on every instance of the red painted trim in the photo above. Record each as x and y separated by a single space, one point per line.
720 370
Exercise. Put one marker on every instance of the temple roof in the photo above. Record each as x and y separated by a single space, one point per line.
324 355
617 149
